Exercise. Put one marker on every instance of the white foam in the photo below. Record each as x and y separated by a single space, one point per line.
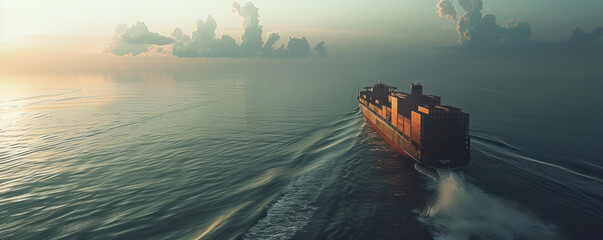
463 211
294 208
290 213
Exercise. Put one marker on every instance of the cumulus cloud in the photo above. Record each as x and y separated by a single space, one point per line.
252 41
516 31
475 28
204 42
480 33
268 48
134 40
321 49
139 34
446 10
269 51
580 38
298 47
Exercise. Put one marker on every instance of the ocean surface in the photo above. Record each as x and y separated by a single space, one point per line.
280 150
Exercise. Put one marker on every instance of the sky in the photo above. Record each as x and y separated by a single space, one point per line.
37 28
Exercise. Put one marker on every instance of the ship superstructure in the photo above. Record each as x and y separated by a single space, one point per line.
417 125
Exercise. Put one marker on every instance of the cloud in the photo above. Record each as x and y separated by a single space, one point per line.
321 49
478 29
134 40
582 39
203 42
469 4
252 37
480 34
298 47
516 31
139 34
446 10
268 50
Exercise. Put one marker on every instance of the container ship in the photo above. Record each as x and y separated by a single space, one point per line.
416 125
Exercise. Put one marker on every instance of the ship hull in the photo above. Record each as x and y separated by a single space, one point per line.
391 136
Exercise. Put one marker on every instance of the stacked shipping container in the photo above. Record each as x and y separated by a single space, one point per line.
437 133
418 117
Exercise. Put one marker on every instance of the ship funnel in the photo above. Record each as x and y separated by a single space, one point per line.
416 89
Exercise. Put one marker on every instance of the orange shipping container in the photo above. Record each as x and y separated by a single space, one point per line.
416 117
400 123
406 126
416 137
394 111
424 110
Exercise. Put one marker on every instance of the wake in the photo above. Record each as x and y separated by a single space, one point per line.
294 208
463 211
498 149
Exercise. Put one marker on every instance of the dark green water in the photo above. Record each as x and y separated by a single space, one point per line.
279 150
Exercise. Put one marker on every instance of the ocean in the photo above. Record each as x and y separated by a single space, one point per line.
278 149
